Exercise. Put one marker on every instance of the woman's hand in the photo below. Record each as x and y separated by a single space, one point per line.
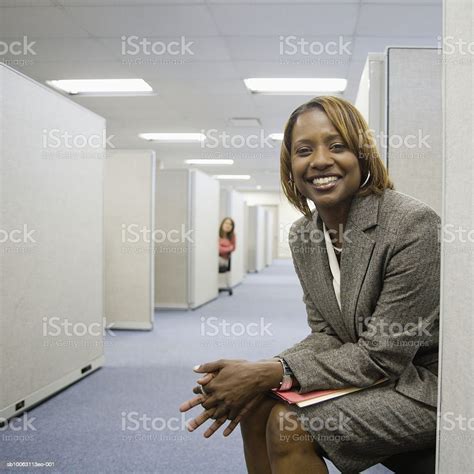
231 386
206 414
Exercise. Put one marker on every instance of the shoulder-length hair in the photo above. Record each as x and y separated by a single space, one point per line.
354 131
226 235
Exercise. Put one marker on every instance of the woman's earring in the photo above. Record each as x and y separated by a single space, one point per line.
292 183
366 180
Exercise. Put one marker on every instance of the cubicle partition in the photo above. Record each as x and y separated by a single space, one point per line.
129 215
187 244
371 98
400 96
256 238
233 205
51 254
269 235
414 123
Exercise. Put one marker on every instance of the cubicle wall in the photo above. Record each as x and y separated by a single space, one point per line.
269 231
370 99
233 205
456 388
187 217
129 214
246 246
400 97
256 238
414 126
51 258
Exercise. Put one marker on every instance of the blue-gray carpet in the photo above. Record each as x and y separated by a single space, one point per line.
94 425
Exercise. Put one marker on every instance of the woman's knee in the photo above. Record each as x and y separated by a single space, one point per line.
256 421
285 433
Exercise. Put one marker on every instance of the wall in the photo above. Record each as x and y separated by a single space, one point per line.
455 453
287 214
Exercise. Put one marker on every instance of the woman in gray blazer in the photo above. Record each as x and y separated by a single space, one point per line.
368 259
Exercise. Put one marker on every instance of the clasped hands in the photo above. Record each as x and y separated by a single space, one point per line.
232 389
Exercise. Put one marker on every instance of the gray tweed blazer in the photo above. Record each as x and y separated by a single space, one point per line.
390 288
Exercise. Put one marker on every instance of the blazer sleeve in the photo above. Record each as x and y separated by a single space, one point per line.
407 308
322 337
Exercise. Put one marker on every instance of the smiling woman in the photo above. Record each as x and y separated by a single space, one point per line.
372 306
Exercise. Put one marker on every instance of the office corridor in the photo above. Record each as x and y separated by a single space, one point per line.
120 419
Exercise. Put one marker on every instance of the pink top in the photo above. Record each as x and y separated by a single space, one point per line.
226 246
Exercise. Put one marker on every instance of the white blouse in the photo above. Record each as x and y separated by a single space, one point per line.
334 265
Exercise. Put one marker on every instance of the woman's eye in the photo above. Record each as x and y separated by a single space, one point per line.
303 151
338 147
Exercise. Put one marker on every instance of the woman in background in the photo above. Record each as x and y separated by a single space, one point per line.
226 242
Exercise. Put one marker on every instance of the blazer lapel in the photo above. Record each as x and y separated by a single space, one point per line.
356 253
325 296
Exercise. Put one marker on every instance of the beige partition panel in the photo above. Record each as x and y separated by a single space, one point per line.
129 214
371 98
414 141
456 421
246 246
256 238
205 246
187 215
268 237
233 205
51 258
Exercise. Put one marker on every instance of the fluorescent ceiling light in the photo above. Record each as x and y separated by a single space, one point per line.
210 161
174 137
102 87
231 176
296 85
245 122
276 136
205 161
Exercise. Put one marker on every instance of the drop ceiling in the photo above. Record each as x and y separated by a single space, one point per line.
204 91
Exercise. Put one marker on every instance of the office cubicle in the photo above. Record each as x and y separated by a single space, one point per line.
129 216
51 264
187 248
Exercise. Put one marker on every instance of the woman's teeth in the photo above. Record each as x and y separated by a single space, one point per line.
320 181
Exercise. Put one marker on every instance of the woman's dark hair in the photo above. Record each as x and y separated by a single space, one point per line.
226 235
355 132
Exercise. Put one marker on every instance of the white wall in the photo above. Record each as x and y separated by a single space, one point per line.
287 214
455 453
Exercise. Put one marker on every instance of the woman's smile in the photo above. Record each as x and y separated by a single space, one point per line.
325 184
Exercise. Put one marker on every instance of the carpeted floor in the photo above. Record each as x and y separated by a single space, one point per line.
125 418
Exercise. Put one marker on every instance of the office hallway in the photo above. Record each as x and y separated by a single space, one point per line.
125 418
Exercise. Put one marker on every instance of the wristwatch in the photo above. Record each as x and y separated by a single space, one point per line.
287 380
